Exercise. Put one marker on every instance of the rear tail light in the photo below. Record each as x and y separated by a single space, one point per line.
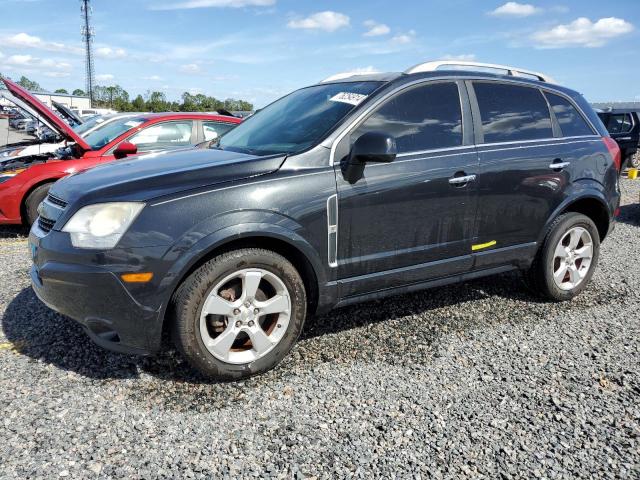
614 151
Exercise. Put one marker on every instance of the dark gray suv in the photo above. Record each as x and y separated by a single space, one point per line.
352 189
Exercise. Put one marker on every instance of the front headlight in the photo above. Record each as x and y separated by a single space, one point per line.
101 226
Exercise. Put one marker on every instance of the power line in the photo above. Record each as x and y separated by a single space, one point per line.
88 33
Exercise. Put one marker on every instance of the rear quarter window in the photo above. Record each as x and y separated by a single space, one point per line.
570 120
512 113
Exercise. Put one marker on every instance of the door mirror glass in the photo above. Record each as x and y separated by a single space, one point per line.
370 147
125 149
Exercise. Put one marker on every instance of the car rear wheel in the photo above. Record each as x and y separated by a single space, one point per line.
567 259
33 201
634 160
239 314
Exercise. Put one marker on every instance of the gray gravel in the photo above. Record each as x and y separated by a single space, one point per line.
474 380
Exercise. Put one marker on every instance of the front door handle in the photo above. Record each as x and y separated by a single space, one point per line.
558 165
462 180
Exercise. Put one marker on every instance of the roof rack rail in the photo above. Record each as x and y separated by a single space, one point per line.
513 71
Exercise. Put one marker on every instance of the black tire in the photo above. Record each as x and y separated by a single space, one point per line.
33 201
634 160
539 277
189 300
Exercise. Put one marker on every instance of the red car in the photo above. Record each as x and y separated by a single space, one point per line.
25 182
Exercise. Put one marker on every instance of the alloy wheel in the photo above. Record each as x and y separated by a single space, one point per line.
572 258
245 316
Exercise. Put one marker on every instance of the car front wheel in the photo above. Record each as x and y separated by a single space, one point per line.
239 314
567 259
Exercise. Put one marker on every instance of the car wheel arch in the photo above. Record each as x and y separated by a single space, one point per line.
282 241
593 205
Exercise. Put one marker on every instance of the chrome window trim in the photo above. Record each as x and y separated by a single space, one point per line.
348 129
474 150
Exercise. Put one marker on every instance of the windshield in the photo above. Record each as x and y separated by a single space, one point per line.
88 125
297 121
108 131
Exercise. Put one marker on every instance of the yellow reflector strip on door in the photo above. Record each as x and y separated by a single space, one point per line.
137 277
480 246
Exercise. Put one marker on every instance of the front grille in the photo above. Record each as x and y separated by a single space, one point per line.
56 201
45 224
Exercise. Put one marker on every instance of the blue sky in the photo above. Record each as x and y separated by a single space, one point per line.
259 50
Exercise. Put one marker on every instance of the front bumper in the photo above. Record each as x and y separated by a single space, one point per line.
94 296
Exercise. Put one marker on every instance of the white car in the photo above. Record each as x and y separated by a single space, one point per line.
49 146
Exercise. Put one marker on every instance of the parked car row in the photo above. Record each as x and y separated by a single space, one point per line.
27 172
355 188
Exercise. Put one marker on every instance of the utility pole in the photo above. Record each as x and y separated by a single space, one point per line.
87 37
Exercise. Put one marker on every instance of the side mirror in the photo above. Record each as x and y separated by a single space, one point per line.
370 147
125 149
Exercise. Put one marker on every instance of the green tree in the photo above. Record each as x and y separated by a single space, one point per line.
157 102
29 84
79 92
138 104
61 90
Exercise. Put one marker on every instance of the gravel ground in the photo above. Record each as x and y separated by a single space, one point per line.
473 380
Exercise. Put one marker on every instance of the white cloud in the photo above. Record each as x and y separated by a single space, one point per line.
515 9
190 68
376 29
465 57
20 60
582 32
215 4
404 38
154 78
24 63
24 40
328 21
104 77
108 52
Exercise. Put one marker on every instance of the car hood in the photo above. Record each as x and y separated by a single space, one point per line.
59 125
150 176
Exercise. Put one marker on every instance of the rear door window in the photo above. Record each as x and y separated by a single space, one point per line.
571 122
422 118
163 135
620 123
512 113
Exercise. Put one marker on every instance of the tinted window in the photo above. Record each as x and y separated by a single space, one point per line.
619 123
299 120
511 113
421 118
163 135
214 130
570 120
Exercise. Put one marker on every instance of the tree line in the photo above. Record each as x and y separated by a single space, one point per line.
118 98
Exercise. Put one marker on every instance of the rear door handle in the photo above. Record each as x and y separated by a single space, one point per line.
462 180
557 165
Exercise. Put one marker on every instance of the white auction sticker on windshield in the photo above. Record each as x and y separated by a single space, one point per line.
346 97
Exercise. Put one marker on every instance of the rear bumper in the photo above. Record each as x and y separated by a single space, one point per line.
97 299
